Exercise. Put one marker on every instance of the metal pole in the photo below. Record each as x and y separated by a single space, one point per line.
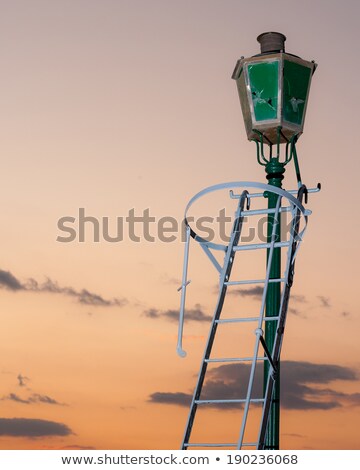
274 173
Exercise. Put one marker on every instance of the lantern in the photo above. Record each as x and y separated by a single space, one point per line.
273 88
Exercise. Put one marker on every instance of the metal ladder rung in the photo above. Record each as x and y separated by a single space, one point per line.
208 444
252 281
236 359
230 444
242 400
244 319
259 246
268 211
290 191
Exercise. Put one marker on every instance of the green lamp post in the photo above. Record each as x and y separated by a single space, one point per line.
273 88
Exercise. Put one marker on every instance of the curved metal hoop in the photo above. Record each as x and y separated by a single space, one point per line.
241 184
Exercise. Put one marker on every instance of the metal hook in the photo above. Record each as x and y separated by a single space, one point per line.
301 193
245 196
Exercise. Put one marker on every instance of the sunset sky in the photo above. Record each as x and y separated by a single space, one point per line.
118 105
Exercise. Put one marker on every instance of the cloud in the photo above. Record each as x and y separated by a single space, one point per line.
22 380
229 381
325 301
300 386
300 393
294 311
37 398
9 281
309 372
353 398
196 314
255 291
298 298
127 408
30 399
34 398
16 398
166 279
25 427
152 313
225 382
83 296
177 398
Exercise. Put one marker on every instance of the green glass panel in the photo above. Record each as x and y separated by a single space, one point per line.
264 86
296 84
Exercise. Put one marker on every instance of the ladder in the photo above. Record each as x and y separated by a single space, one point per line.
286 202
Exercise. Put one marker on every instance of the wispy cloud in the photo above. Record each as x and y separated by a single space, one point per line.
9 281
196 314
301 386
294 311
152 313
29 397
83 296
177 398
38 398
32 428
292 434
166 279
34 398
256 291
325 301
298 298
16 398
22 380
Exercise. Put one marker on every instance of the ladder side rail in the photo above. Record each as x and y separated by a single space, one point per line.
259 331
295 240
227 266
271 376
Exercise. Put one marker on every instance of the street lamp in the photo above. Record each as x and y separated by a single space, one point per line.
274 88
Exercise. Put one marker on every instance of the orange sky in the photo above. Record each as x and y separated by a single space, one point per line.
119 105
